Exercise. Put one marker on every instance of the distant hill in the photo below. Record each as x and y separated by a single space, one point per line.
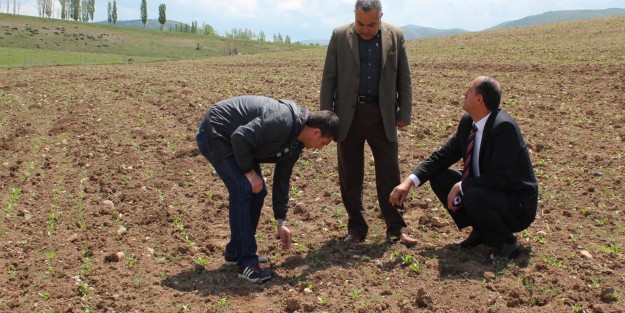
559 16
150 24
417 32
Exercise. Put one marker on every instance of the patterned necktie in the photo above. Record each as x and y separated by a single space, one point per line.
466 169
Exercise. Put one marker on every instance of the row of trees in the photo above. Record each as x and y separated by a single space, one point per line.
84 10
247 34
16 6
77 10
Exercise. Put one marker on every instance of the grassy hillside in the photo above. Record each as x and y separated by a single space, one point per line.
560 16
106 44
417 32
596 41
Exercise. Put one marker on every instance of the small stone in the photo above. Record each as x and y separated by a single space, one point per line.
598 174
108 202
122 230
121 255
292 305
541 233
428 246
307 290
586 254
423 298
439 222
151 251
489 276
73 237
299 208
111 258
608 294
424 220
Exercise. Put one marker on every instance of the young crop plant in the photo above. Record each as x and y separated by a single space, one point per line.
49 257
200 261
53 218
223 303
16 193
315 258
132 261
355 294
183 232
614 249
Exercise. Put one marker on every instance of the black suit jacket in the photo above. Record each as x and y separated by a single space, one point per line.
504 162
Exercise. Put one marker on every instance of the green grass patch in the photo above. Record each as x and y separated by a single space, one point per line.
44 42
16 57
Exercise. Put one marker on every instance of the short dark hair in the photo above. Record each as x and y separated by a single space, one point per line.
326 121
367 5
489 89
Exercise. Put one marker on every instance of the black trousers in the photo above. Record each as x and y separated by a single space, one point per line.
367 126
495 214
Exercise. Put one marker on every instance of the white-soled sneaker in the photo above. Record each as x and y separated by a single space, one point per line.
254 273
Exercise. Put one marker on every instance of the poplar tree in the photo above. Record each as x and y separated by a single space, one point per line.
84 10
144 12
74 10
110 16
91 9
162 18
63 9
114 14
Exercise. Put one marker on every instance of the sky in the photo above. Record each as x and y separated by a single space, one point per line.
315 19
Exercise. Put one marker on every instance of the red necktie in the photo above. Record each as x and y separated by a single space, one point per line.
466 169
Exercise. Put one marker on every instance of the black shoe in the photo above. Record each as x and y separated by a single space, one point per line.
353 239
254 273
474 239
507 250
231 260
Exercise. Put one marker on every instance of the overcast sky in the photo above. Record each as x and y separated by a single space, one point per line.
315 19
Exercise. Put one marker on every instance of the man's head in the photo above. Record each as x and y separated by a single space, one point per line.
482 96
321 128
368 18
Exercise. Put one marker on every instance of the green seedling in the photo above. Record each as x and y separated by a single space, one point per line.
15 196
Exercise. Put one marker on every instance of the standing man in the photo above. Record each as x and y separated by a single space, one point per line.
238 134
366 81
496 193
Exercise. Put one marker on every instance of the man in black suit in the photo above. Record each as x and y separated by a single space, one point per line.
496 193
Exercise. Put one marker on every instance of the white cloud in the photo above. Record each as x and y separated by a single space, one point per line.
290 5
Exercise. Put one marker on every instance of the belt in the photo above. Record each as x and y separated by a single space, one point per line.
367 99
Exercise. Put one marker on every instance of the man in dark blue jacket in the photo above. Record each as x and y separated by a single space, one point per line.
238 134
496 193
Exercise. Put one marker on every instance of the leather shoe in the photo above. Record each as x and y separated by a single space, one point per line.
474 239
353 239
507 250
406 240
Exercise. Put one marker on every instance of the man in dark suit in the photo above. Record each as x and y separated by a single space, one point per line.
496 193
366 81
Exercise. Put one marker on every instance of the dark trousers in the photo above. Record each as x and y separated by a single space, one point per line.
367 126
493 213
244 207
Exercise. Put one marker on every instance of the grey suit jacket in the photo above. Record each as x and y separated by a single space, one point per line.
341 77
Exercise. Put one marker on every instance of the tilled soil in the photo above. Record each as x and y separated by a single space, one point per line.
108 207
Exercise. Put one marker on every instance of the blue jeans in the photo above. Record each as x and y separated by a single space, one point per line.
244 206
